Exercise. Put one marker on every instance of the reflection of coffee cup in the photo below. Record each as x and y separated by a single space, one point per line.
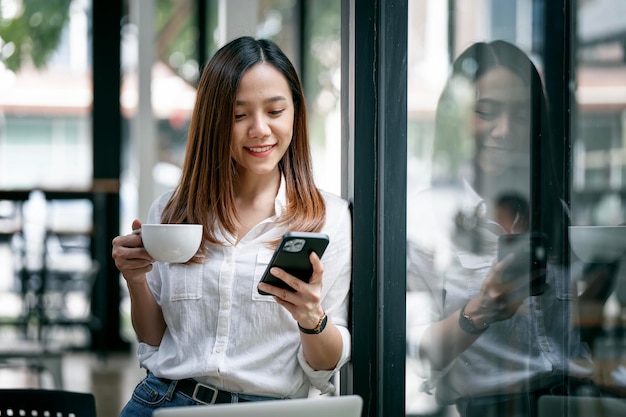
174 243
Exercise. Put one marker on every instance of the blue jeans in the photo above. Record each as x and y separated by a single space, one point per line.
152 393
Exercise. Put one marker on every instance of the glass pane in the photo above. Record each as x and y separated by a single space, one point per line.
46 146
319 65
321 69
598 210
491 334
45 94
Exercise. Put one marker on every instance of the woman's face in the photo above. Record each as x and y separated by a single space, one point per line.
502 117
263 120
501 127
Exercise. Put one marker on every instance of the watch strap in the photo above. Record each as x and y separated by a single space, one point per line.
321 325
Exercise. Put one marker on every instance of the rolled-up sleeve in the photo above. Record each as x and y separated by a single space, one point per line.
321 380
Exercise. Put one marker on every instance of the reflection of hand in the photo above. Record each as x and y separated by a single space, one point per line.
497 300
130 257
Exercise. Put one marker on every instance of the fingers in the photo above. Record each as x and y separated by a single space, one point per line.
130 257
318 269
501 265
313 285
302 289
306 295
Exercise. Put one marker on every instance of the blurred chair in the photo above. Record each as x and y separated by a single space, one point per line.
41 402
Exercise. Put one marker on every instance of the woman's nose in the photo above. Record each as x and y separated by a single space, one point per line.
259 127
502 127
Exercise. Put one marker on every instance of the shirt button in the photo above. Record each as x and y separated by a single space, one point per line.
225 306
218 350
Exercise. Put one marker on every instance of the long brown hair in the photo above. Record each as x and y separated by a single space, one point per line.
206 192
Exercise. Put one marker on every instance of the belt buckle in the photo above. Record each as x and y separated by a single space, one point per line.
196 390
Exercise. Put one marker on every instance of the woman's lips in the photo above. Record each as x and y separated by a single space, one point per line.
259 151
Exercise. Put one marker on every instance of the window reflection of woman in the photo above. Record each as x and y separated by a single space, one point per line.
493 349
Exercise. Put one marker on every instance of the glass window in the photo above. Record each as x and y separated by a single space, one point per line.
46 167
45 94
321 73
598 209
515 238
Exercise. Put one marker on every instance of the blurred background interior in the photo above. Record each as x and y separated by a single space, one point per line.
95 99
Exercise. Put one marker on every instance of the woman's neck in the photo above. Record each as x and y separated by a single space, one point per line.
255 200
250 186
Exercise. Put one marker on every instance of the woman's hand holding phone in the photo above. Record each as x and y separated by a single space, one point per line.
294 276
292 255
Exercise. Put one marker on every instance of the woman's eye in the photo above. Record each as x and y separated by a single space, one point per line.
239 116
277 112
486 115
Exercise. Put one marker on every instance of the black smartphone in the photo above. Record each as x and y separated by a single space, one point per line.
531 257
292 256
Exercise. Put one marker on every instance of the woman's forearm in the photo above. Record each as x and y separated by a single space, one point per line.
323 351
445 340
146 314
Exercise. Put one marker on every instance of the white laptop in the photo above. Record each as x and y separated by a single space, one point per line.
553 406
331 406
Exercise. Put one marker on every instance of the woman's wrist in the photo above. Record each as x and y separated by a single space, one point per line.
471 320
312 320
319 327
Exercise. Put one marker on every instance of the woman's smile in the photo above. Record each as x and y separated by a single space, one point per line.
260 151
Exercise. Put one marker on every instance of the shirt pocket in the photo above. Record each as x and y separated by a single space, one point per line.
264 256
186 281
473 270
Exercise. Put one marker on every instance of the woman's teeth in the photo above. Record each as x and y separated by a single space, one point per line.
261 149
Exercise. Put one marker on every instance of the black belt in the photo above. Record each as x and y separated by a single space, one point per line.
202 393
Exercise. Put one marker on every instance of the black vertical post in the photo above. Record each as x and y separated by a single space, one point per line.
107 137
362 86
374 112
559 77
392 187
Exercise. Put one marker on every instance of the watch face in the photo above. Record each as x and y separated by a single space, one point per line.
466 323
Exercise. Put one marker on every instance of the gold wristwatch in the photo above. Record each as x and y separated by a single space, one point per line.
318 329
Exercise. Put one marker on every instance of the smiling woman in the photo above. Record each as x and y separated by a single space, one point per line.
205 333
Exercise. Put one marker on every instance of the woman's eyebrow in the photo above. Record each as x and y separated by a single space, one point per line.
272 99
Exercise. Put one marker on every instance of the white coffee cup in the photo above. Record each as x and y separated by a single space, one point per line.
173 243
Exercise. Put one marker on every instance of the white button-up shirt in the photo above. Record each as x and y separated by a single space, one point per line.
221 331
